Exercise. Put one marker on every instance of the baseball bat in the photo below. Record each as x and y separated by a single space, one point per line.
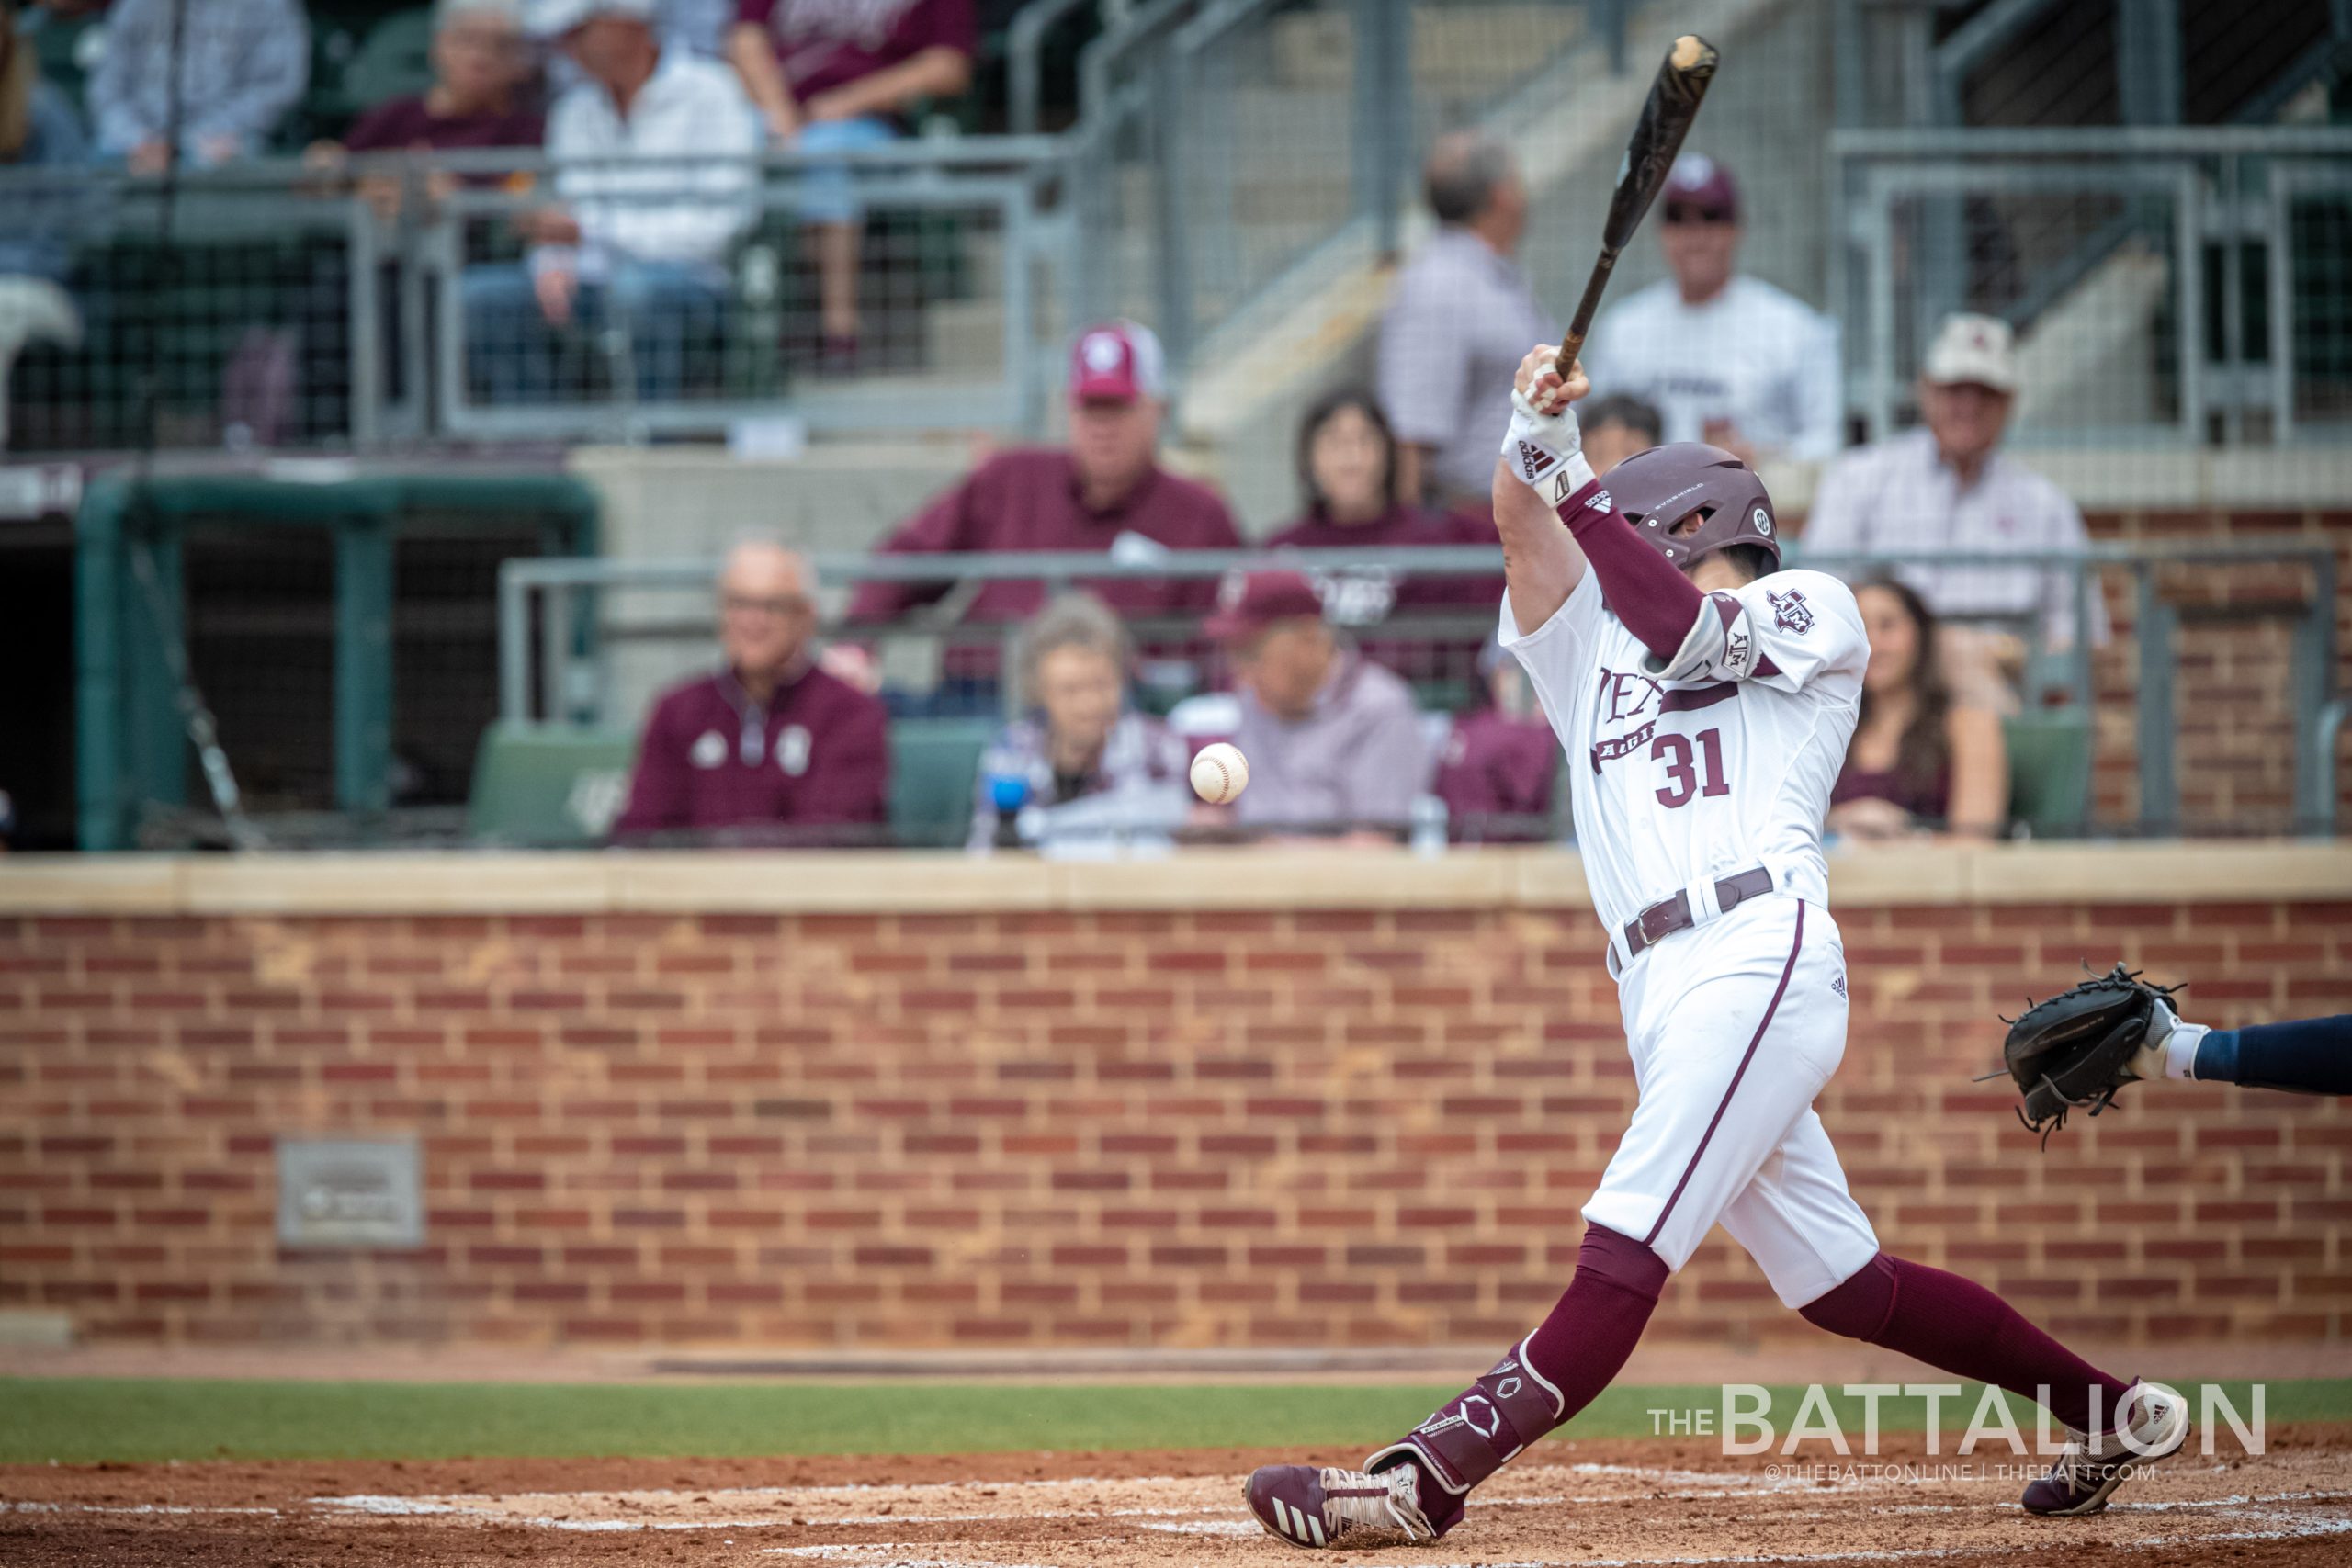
1673 104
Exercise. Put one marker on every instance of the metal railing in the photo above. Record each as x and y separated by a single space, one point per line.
2125 256
556 600
1226 145
344 295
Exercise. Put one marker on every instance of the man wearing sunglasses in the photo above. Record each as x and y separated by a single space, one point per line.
1726 358
769 743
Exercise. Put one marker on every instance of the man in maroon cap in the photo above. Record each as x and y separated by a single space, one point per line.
1726 358
769 741
1333 740
1105 492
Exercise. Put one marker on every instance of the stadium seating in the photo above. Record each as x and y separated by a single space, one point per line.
549 786
2050 771
933 764
559 786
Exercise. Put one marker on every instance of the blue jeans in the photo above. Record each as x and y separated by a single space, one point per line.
828 193
510 348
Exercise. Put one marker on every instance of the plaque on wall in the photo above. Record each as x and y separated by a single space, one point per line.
350 1192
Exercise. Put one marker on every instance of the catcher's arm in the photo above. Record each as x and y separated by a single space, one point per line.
2073 1051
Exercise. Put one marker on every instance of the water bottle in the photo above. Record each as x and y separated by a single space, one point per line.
1008 793
1428 825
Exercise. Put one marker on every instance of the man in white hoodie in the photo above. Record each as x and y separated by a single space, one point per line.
1727 359
646 244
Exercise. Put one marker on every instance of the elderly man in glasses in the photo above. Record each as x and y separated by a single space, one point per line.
1726 358
768 740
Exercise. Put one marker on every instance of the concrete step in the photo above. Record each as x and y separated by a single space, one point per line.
965 336
1468 44
984 261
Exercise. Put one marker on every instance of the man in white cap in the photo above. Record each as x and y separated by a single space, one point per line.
1947 486
1726 358
647 245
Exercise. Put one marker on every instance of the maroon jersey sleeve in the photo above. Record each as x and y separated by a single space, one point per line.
1214 531
656 789
392 125
848 766
943 24
755 12
1658 604
945 525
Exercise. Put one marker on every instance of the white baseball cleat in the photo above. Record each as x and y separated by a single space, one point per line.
1331 1508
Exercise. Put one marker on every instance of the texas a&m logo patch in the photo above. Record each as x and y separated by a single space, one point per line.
1790 612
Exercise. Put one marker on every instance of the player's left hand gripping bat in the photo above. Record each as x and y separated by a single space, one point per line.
1673 104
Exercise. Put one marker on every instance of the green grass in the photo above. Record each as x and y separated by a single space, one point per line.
83 1420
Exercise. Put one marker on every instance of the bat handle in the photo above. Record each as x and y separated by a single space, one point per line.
1572 343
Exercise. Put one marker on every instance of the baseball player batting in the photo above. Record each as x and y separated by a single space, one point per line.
1705 698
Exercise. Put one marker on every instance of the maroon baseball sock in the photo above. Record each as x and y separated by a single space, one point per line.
1583 1343
1961 1328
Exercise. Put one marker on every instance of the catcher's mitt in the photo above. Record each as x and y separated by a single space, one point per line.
2072 1051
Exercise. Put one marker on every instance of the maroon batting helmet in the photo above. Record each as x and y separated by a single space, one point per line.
1691 500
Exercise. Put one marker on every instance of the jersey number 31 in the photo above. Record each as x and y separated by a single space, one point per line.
1682 778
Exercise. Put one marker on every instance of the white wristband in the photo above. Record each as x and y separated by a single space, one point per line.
1545 451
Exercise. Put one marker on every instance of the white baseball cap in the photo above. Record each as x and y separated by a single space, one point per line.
553 19
1978 349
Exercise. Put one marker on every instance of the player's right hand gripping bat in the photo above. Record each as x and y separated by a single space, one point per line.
1673 104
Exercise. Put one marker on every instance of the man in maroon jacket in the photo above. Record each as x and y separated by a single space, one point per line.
769 741
1106 493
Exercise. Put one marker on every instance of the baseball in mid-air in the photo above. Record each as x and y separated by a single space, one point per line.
1220 772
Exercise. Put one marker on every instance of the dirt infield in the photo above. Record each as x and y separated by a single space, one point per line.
1589 1503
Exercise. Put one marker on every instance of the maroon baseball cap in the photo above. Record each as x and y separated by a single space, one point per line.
1118 362
1247 605
1700 183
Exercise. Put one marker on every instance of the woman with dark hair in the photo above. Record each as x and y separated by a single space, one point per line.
1347 467
1921 763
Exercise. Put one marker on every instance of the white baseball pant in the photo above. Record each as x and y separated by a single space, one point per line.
1734 1027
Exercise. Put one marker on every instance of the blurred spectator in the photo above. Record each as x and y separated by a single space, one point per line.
38 130
481 63
1617 427
1460 318
769 740
1921 759
1083 767
1333 740
833 76
1726 358
700 27
243 63
650 243
1106 493
1500 763
1347 467
1948 486
7 821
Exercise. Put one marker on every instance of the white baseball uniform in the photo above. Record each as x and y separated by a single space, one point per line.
1737 1023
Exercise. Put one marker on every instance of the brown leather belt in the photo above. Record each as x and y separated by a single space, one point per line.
1665 917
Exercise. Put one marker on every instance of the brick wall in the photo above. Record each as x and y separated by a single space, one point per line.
1178 1129
2237 737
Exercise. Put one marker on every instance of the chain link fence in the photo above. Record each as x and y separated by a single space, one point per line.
268 307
